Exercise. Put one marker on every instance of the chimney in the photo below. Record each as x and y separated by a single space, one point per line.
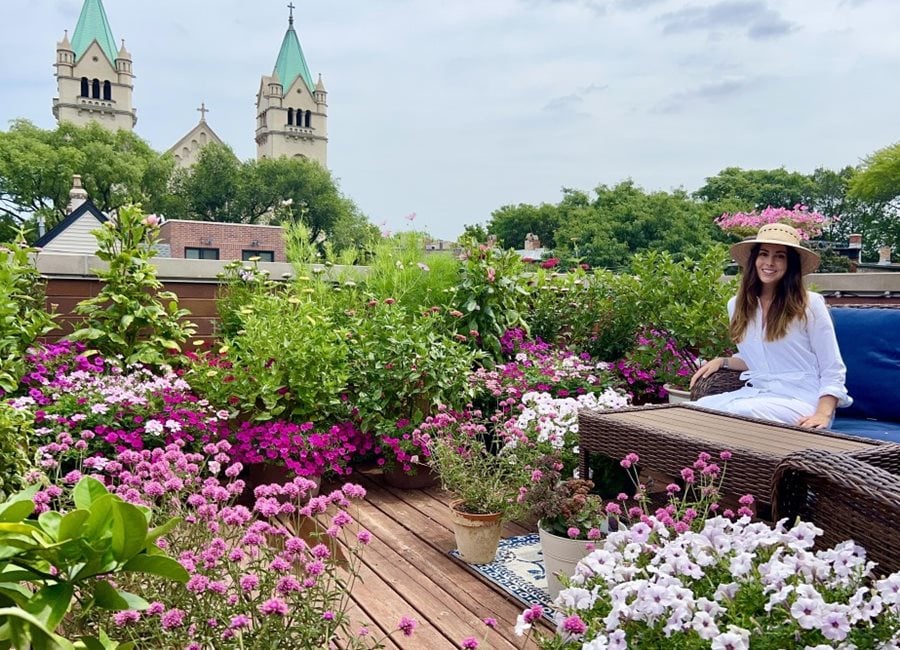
77 195
884 255
855 241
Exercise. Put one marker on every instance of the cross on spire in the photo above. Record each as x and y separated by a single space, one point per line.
291 17
203 111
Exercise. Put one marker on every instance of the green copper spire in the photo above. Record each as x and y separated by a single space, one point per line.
291 62
93 26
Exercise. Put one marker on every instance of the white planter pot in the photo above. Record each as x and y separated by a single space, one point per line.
677 395
561 554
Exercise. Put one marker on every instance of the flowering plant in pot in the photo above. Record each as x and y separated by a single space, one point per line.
277 451
570 517
484 480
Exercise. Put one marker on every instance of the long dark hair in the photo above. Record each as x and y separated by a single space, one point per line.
788 304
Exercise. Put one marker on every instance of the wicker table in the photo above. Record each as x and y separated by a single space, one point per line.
668 438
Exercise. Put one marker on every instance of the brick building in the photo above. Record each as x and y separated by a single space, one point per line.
208 240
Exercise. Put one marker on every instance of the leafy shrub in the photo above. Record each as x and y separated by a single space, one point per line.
402 270
287 360
684 301
403 367
490 296
584 311
15 434
128 317
23 316
61 567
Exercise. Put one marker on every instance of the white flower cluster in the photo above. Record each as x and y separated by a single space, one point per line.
555 420
728 585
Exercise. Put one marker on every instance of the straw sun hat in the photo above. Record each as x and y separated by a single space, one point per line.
781 234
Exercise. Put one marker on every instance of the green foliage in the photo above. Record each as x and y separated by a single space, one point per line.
15 432
403 366
585 311
128 317
686 301
59 567
36 168
879 176
402 270
484 479
208 189
512 223
239 282
625 220
287 359
758 188
23 316
490 296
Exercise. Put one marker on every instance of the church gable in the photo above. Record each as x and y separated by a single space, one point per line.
187 150
94 63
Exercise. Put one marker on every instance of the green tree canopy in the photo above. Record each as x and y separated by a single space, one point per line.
37 165
512 223
879 176
758 188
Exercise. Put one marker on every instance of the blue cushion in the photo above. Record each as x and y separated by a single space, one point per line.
877 429
869 339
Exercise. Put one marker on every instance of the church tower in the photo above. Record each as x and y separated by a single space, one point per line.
94 79
291 111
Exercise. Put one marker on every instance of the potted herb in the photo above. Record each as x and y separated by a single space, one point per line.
485 482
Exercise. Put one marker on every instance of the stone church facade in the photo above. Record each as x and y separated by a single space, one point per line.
95 82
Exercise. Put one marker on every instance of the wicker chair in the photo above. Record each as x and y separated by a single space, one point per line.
721 381
849 496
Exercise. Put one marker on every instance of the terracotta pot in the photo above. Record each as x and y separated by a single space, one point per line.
477 536
677 395
267 473
424 477
561 554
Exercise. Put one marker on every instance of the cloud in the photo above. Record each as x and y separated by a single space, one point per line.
569 105
760 21
709 93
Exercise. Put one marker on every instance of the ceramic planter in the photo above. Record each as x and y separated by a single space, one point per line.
677 395
561 554
477 536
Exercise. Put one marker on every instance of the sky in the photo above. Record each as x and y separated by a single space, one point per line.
451 109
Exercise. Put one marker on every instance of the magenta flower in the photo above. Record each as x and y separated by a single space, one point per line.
407 625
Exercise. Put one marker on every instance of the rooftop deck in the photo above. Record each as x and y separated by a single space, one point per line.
407 571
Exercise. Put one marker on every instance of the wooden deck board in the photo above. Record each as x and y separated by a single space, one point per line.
406 571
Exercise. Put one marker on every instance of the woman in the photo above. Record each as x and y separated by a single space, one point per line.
786 344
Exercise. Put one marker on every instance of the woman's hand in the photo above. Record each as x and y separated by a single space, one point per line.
821 419
708 368
815 421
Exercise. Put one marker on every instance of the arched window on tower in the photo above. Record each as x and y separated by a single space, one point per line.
95 89
107 91
290 117
85 90
308 118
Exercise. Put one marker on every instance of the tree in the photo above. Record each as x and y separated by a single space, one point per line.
758 188
512 223
304 186
207 191
879 177
624 220
37 165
